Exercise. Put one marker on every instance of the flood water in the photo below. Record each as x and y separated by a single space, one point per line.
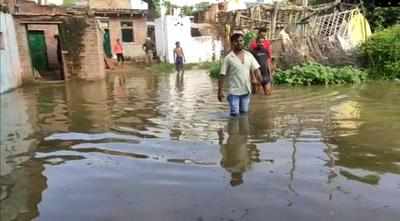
158 147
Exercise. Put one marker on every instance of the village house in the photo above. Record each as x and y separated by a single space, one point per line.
124 20
57 43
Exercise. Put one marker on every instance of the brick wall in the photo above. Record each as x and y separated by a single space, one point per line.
10 3
92 56
23 47
133 49
32 7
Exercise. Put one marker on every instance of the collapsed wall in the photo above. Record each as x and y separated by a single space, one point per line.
326 34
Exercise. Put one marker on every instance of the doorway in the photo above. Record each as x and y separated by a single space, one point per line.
38 50
45 49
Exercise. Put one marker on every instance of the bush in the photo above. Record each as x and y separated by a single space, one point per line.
214 70
248 37
382 17
381 54
314 73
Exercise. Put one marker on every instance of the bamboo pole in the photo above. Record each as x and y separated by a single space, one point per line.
273 19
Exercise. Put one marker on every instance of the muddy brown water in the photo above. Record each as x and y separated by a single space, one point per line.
158 147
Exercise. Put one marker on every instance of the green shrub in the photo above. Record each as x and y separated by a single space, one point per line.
310 74
381 54
214 70
317 74
248 37
382 17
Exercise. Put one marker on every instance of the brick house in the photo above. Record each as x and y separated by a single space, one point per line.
123 19
36 27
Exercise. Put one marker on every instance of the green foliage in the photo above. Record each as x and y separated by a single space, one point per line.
162 68
381 54
69 2
187 10
248 37
206 65
317 74
382 17
214 70
169 68
201 6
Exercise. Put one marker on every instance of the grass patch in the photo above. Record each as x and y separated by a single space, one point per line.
162 68
169 68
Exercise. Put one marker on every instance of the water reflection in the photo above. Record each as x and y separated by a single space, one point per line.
88 106
179 82
18 175
119 86
158 138
237 153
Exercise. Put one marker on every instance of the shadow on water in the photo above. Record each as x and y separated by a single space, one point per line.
129 146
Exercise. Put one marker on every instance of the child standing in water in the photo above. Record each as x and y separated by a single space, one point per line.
179 58
119 51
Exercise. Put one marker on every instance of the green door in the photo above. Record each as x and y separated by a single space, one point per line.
38 51
107 44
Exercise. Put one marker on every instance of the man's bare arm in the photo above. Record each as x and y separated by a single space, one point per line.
220 88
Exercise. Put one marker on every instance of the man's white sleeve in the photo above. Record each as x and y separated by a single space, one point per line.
254 63
224 67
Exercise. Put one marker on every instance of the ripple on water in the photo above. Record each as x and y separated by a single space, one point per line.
119 150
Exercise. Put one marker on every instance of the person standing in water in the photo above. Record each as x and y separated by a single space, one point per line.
119 51
179 58
237 70
262 56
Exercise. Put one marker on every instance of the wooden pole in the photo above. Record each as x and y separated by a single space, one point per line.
273 19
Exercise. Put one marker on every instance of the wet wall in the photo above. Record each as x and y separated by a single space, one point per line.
10 68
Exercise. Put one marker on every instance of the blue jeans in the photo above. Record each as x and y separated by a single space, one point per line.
238 104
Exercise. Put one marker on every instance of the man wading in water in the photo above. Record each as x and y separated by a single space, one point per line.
237 70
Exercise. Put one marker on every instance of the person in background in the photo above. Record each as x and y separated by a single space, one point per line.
237 70
262 56
179 58
119 51
262 34
59 57
148 47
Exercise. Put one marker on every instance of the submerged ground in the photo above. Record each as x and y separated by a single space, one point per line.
161 147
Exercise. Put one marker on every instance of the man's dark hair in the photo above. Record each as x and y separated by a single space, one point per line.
262 29
236 36
260 38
